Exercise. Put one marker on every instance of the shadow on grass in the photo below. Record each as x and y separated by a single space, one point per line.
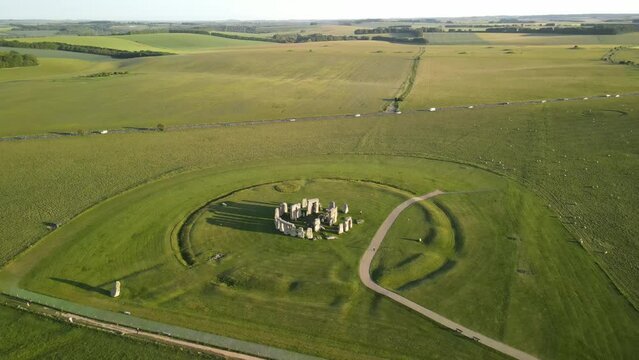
82 286
435 274
243 215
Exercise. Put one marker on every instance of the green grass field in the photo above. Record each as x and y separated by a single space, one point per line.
274 82
467 75
628 54
182 43
437 132
535 246
111 42
56 340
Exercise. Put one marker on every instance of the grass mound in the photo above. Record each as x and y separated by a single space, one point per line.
288 187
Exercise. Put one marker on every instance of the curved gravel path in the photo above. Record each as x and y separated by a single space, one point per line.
364 275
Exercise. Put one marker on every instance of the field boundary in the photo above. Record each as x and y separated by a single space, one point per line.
407 86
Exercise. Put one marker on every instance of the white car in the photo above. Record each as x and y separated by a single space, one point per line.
103 132
608 95
358 115
617 95
543 101
585 98
398 112
471 107
432 109
293 120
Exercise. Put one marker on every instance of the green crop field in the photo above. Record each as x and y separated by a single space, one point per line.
539 39
332 78
533 243
111 42
467 75
186 42
628 54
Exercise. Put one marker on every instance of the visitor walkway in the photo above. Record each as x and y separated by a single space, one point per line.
364 275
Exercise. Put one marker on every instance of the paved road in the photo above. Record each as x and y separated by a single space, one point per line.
364 275
52 135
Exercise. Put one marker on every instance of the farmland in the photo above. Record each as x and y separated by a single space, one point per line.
534 237
209 87
458 75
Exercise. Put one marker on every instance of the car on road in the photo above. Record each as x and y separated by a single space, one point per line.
358 115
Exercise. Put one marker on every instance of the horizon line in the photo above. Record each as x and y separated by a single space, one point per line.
319 19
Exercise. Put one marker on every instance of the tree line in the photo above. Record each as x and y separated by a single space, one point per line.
300 38
404 29
49 45
15 59
584 29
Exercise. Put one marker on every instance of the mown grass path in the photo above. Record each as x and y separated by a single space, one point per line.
364 275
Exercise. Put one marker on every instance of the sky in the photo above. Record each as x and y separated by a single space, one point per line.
296 9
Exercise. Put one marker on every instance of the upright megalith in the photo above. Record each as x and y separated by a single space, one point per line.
296 211
345 209
309 233
115 291
283 208
317 223
301 233
332 216
341 228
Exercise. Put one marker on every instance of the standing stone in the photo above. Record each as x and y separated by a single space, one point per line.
115 291
309 233
345 209
277 213
346 226
296 211
305 203
333 215
341 228
283 208
316 207
349 221
316 224
312 206
301 233
331 205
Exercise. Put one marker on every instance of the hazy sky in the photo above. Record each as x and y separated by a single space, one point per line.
296 9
